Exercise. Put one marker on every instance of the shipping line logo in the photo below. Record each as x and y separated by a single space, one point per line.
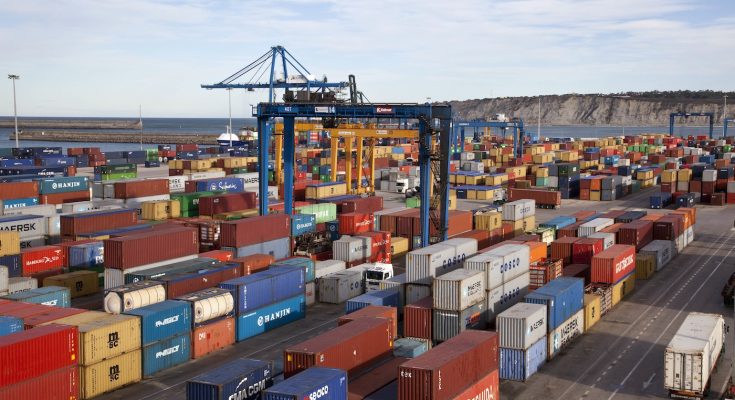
244 393
264 319
113 340
66 185
319 393
622 265
114 373
167 321
168 352
29 227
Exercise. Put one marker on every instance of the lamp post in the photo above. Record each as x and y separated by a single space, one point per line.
15 107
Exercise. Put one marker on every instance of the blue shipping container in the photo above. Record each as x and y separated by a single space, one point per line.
270 317
562 296
166 354
266 287
10 325
558 222
313 383
226 184
302 223
241 379
307 263
56 161
163 320
87 255
409 348
48 296
17 203
16 162
388 298
519 365
63 184
13 264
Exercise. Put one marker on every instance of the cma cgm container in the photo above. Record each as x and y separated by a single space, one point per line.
166 353
242 379
96 221
314 383
36 352
212 336
270 317
266 287
446 370
163 320
60 384
347 347
150 247
613 264
48 296
254 230
563 297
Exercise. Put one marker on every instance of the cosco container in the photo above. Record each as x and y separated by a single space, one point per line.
563 297
611 265
163 320
429 262
662 250
519 209
210 304
110 374
48 296
10 325
37 352
501 264
314 383
134 295
166 353
266 287
519 365
458 290
28 226
506 295
521 325
341 286
212 336
448 324
241 379
389 297
261 320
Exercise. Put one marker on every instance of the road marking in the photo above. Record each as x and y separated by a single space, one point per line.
647 383
692 297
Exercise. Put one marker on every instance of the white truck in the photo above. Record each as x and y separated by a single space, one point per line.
375 273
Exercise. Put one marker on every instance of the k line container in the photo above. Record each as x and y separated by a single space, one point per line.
242 379
110 374
459 290
48 296
506 295
519 365
563 297
341 286
60 384
166 353
134 295
314 383
37 352
448 324
210 304
211 337
521 325
266 287
501 264
163 320
613 264
565 333
270 317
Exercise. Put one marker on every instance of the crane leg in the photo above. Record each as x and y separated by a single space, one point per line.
359 165
348 163
334 142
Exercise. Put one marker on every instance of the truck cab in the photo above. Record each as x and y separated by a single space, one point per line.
401 185
375 274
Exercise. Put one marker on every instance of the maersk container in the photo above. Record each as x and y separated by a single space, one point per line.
519 365
163 320
166 353
593 226
448 324
209 305
506 295
270 317
340 286
521 325
87 255
326 267
305 262
278 248
424 264
565 333
562 296
459 289
313 383
501 264
241 379
302 223
48 296
278 283
662 250
133 295
10 325
29 226
388 298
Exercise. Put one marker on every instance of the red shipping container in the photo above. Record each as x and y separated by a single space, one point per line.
211 205
150 247
220 255
254 230
583 249
543 272
366 205
638 233
40 259
668 227
562 249
96 221
390 313
68 197
18 190
187 147
613 264
417 319
254 263
379 376
579 271
542 197
60 384
486 388
181 284
349 347
448 369
37 351
48 314
380 246
354 223
212 337
583 215
142 188
569 230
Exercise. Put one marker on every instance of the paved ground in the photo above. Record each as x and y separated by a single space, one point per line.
620 357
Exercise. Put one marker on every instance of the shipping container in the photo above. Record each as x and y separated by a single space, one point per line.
212 336
184 282
254 263
10 325
565 333
166 353
521 325
266 287
210 305
163 320
79 283
501 265
663 252
314 383
86 255
563 249
593 226
429 262
585 248
519 365
416 292
255 230
17 190
305 262
459 289
623 288
96 221
417 319
637 233
544 198
218 204
302 223
278 248
20 284
241 379
506 295
267 318
373 311
388 297
41 259
543 272
37 352
613 264
519 209
9 243
592 310
59 384
448 324
339 287
608 239
380 375
563 297
110 374
48 296
49 314
133 295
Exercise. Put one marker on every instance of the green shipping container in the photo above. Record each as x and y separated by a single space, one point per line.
119 176
115 169
542 181
190 201
324 211
413 202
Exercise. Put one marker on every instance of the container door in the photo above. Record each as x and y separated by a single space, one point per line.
672 370
697 372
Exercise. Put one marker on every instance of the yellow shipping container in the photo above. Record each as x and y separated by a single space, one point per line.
623 288
80 283
176 164
542 172
668 176
484 194
595 195
496 179
236 215
645 266
684 175
488 221
488 163
9 243
543 158
200 165
160 210
234 162
591 310
398 246
471 194
111 374
320 192
103 336
475 180
452 201
529 223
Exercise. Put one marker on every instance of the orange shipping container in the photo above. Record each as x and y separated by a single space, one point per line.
212 337
538 251
254 263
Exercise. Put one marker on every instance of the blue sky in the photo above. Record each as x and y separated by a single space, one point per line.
104 58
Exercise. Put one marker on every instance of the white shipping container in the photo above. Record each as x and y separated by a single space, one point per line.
424 264
206 175
593 226
503 297
340 286
398 283
351 248
709 175
458 290
663 250
28 227
326 267
501 264
310 293
519 209
565 333
681 242
608 239
21 284
53 227
689 235
108 190
4 278
43 210
553 182
521 325
177 183
692 353
416 292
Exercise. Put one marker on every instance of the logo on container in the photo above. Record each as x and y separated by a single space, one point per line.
486 394
166 321
536 325
50 302
167 352
245 393
384 110
505 297
114 373
20 227
622 265
319 393
113 340
264 319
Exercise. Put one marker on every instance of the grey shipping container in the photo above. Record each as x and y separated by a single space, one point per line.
448 324
340 286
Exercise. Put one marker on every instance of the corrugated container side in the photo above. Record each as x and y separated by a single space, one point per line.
448 324
166 353
417 319
266 287
519 365
563 297
37 352
521 325
270 317
565 333
373 311
150 247
163 320
506 295
255 230
211 337
111 374
62 384
314 383
613 264
459 290
239 379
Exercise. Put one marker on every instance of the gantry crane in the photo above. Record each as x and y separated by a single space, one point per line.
515 125
725 122
710 116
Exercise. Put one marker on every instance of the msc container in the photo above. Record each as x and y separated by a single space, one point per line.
96 221
48 296
521 325
133 295
166 353
9 325
501 264
459 289
302 223
611 265
504 296
149 247
662 250
347 347
563 297
241 379
446 370
28 226
565 333
429 262
417 319
212 336
692 354
341 286
519 209
163 320
608 239
314 383
210 304
388 297
266 287
110 374
448 324
519 365
79 283
255 230
37 352
593 226
270 317
103 336
60 384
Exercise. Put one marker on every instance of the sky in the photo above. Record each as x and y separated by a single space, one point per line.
108 58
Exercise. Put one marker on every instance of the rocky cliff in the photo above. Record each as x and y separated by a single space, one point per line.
593 109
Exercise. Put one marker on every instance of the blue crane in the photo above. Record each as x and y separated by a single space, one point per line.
516 126
725 122
710 116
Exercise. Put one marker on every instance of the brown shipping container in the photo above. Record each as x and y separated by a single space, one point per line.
255 230
692 214
613 214
18 190
96 221
211 205
212 337
150 247
578 271
613 264
637 233
668 227
377 378
652 217
446 370
686 217
542 197
367 205
614 228
179 285
349 347
390 313
483 237
568 231
80 283
144 188
583 215
49 314
562 249
389 222
61 198
486 388
417 319
254 263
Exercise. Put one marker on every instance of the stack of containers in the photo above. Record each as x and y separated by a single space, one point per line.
338 287
521 215
267 234
268 299
614 269
522 333
564 301
212 322
425 264
459 303
48 296
309 275
239 379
